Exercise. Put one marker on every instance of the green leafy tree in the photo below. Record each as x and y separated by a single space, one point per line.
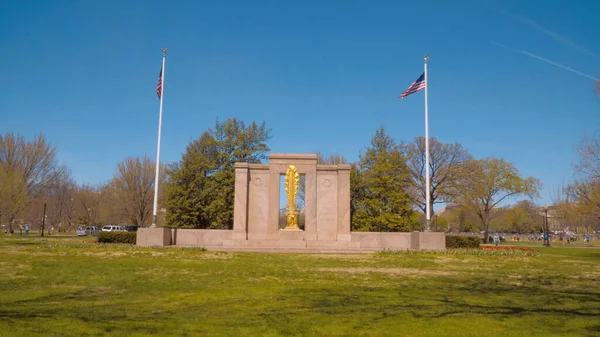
200 188
378 184
460 219
485 183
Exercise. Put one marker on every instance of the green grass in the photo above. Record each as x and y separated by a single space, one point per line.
74 287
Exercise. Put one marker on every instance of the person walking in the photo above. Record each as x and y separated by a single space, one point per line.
496 239
20 230
26 229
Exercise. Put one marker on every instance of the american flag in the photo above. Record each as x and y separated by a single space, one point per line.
418 85
159 85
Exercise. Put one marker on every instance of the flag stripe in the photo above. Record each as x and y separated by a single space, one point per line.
159 85
417 85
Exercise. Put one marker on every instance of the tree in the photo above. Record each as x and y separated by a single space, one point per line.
585 194
445 161
485 183
589 158
378 200
200 188
133 186
27 168
330 159
522 217
584 191
460 218
59 198
91 199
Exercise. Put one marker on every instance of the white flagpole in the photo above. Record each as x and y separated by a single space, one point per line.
162 91
427 189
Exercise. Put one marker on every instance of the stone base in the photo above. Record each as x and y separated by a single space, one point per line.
400 241
297 240
147 237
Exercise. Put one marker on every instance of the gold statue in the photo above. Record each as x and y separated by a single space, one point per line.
291 190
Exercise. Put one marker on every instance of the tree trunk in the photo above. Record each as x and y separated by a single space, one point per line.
485 220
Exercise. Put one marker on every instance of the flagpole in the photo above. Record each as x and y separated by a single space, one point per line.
427 189
162 90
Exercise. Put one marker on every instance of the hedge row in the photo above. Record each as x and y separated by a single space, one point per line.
457 241
117 237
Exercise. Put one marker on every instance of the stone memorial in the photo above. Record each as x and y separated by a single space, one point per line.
257 224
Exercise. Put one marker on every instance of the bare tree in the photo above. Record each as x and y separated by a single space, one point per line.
330 159
445 161
27 169
90 200
60 199
133 183
583 194
589 157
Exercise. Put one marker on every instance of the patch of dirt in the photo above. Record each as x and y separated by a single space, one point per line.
166 272
106 254
586 275
577 262
30 253
265 278
12 271
413 272
344 256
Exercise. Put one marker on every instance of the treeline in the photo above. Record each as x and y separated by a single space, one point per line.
387 185
33 184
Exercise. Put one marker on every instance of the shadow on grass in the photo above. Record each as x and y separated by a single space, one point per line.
474 298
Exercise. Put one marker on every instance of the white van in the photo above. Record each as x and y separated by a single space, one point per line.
112 228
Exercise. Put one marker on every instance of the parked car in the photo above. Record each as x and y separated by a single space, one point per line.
131 228
112 228
88 230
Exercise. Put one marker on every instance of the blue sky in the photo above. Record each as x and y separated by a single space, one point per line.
322 74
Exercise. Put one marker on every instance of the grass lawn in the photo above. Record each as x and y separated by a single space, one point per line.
63 286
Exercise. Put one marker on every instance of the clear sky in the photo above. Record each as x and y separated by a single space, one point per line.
322 74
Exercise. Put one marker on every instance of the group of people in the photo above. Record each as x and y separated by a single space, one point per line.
21 228
566 237
26 230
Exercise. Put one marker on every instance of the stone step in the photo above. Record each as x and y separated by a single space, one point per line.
265 243
332 244
311 250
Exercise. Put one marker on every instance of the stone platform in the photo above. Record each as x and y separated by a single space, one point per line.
298 241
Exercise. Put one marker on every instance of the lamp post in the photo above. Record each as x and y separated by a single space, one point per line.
546 234
43 220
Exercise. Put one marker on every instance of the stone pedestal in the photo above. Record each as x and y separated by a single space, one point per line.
147 237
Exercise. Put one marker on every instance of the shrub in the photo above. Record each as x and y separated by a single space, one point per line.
456 241
117 237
